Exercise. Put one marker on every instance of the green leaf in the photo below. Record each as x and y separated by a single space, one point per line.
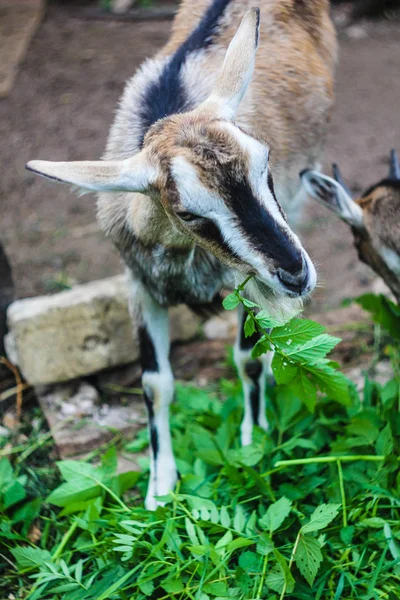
224 517
383 311
308 557
384 443
71 470
265 545
147 588
297 331
72 492
346 534
239 520
191 531
248 303
248 560
27 512
276 514
224 540
217 588
312 351
260 347
390 391
249 326
373 522
14 493
332 382
305 389
247 455
27 557
173 586
280 575
231 301
109 461
283 369
6 472
239 542
321 517
266 321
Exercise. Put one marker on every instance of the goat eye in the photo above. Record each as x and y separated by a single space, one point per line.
187 216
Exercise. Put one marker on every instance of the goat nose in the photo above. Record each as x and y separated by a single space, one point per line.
295 283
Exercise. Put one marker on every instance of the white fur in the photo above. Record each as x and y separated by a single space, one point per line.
242 357
391 258
340 202
160 384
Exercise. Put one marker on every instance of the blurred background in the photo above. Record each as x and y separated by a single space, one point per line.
75 59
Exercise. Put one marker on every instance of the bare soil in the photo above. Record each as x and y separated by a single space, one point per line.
62 106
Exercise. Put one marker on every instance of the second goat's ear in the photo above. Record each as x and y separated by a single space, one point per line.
134 174
333 195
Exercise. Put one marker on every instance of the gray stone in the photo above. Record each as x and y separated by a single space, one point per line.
120 7
4 432
80 331
382 372
80 422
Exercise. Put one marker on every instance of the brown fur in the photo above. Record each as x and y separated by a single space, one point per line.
381 227
291 94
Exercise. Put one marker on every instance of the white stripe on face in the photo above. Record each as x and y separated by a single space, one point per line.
199 200
196 198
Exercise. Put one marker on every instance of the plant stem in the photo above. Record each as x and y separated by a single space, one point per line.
291 563
330 459
264 570
42 440
342 492
65 540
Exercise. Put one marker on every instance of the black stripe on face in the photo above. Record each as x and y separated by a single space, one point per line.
148 356
209 231
167 95
259 226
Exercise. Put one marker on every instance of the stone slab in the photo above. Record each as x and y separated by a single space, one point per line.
19 21
80 331
80 422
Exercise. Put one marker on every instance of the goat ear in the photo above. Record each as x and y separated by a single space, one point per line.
134 174
333 195
237 69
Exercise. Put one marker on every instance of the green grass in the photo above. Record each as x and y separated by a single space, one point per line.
311 510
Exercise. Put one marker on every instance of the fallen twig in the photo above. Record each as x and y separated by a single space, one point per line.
19 386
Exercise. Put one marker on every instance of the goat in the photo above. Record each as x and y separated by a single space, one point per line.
374 217
186 188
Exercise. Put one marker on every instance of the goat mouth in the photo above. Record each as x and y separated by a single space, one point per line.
278 305
264 289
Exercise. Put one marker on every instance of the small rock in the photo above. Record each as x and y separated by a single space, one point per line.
120 7
4 432
34 534
382 372
80 423
221 327
356 32
10 419
378 286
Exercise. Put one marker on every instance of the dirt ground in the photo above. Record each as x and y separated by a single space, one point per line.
62 106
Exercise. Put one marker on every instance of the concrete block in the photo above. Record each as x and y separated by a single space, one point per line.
80 331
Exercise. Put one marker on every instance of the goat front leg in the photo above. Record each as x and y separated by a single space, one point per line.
158 390
254 374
